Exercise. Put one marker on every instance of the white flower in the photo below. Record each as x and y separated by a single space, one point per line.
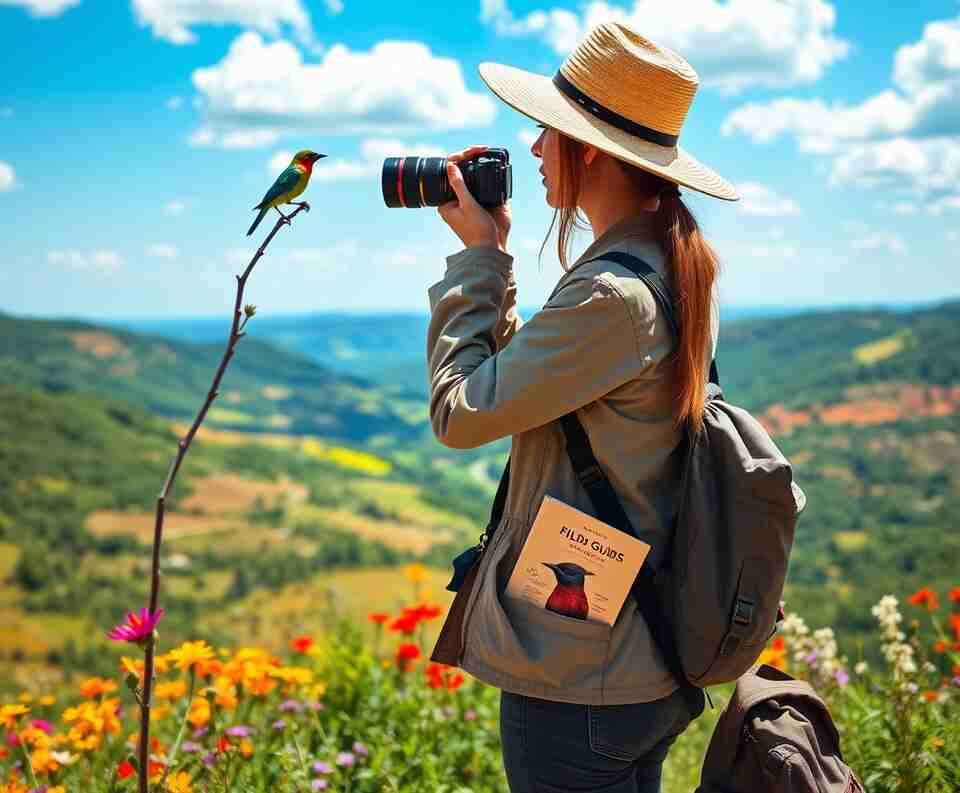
860 668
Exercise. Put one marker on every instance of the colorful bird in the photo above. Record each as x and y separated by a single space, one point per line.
288 186
568 597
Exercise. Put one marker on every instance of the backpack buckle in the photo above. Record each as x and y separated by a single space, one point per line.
743 611
590 476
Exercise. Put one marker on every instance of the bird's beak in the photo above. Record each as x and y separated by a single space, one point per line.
318 157
589 573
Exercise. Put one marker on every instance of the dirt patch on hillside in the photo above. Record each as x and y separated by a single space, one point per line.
98 343
225 494
107 522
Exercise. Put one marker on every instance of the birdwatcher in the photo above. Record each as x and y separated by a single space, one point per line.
584 705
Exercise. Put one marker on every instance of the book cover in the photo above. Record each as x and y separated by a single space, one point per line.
575 564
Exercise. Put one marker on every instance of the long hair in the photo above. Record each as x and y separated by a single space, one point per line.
692 269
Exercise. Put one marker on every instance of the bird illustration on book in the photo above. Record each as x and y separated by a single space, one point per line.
288 186
568 597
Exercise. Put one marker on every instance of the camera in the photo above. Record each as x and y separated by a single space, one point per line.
422 181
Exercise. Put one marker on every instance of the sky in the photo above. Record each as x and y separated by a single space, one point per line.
136 135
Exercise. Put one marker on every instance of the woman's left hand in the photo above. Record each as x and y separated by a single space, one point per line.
473 224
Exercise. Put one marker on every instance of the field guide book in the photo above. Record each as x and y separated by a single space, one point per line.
576 565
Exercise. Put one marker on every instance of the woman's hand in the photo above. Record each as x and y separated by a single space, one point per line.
473 224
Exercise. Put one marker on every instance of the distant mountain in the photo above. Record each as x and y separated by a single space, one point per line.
265 388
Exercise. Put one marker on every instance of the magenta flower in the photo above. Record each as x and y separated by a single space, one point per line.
137 628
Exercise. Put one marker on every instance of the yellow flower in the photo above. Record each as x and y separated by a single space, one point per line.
47 700
317 690
57 789
10 713
199 712
293 675
226 693
174 689
416 573
936 742
246 748
43 762
189 654
26 697
179 783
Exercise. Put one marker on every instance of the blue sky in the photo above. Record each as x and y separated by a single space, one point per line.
136 136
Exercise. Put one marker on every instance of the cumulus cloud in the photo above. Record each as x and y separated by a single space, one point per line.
732 45
42 8
172 20
101 261
733 250
174 207
758 199
880 240
162 251
261 91
8 179
906 136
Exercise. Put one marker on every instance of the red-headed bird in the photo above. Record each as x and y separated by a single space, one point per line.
568 597
289 184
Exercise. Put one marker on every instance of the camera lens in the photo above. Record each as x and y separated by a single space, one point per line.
415 182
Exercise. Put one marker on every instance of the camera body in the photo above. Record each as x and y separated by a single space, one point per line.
414 182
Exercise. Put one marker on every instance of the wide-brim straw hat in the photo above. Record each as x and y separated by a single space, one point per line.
623 94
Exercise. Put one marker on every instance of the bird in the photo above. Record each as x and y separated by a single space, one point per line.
288 185
568 597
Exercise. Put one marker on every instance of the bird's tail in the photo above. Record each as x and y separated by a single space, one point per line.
257 221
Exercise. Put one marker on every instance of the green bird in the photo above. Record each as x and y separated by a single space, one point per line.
288 186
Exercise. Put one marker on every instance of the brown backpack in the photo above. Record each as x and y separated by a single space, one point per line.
775 735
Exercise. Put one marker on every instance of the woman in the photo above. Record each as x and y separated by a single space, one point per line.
584 706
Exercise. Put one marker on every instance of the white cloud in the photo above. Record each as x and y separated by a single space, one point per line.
172 20
8 179
950 203
42 8
880 240
732 45
261 91
162 251
906 137
527 137
174 207
99 261
758 199
733 250
174 103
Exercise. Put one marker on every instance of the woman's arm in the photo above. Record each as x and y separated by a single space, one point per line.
581 346
510 321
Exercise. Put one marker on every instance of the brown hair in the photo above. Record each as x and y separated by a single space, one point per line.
692 269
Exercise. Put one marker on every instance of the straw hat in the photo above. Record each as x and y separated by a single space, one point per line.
623 94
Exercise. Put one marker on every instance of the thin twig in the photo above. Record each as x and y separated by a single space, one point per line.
236 333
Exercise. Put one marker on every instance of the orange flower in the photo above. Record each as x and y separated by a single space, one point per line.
156 769
125 769
955 625
301 644
930 696
954 595
940 647
10 713
191 654
406 655
171 690
925 597
775 654
96 687
454 681
378 618
424 611
406 624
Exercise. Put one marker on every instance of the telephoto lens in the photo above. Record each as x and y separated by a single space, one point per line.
414 182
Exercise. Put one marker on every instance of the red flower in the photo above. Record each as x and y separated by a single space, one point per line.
955 624
954 595
434 673
378 618
223 744
925 597
930 696
125 769
406 624
454 682
406 655
424 611
301 644
940 647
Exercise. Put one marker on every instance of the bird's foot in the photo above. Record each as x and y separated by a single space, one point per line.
302 204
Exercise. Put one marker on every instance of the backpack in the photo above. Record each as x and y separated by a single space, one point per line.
775 735
715 601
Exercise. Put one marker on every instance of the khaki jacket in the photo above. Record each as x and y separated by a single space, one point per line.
596 347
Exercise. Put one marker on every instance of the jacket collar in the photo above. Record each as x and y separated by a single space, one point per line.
640 226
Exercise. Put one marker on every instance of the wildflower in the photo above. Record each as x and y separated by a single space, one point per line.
46 700
291 705
279 724
913 688
200 713
301 644
940 647
209 759
954 595
406 654
378 618
315 706
861 667
138 627
239 731
448 712
406 624
96 687
360 749
246 749
179 783
775 654
189 654
842 677
321 767
454 682
936 742
955 625
346 759
43 726
10 713
925 597
416 573
191 747
318 784
173 689
125 769
930 696
25 697
469 715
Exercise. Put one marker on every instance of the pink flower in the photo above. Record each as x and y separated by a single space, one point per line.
137 628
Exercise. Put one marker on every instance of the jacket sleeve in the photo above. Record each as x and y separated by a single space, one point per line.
510 320
580 346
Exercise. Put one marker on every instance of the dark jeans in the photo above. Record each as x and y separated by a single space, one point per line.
558 747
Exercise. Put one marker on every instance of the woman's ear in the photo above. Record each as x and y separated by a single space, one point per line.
589 153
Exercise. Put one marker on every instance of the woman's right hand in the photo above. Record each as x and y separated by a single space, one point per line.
472 223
